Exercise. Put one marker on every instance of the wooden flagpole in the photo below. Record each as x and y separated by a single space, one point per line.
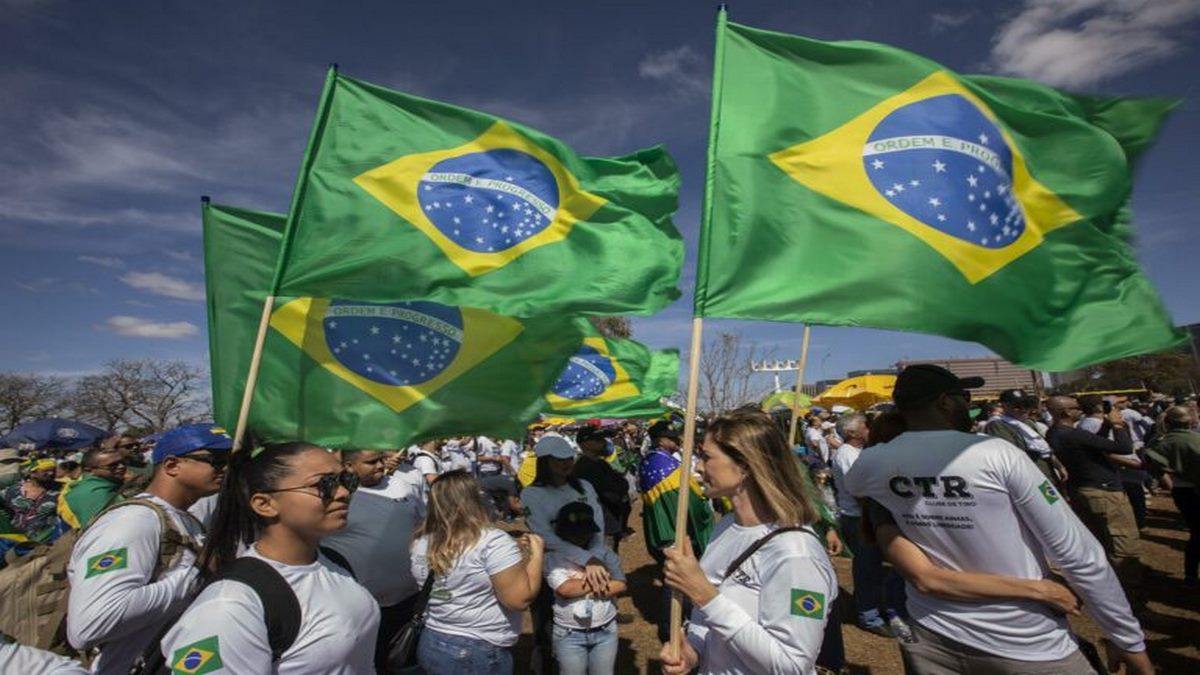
799 386
685 473
252 376
689 424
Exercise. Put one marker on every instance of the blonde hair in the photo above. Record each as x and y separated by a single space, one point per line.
754 441
455 520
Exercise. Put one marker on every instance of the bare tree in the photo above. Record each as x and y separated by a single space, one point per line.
25 397
613 326
145 394
726 381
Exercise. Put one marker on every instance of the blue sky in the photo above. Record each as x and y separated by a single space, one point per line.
116 117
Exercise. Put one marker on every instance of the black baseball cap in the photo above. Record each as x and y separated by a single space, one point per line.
590 433
925 382
1018 397
575 518
663 428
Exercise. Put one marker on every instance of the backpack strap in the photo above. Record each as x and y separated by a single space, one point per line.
338 558
281 612
171 539
281 608
753 548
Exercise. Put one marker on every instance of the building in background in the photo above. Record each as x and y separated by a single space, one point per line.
997 374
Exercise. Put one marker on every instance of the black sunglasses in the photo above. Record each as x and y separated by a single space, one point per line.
217 462
327 486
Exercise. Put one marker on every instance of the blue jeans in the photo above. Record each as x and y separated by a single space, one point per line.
453 655
586 652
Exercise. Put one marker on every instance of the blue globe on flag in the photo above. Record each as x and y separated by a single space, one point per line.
489 201
943 162
587 375
398 344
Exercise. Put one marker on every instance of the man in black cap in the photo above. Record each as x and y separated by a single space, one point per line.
611 487
1014 425
977 504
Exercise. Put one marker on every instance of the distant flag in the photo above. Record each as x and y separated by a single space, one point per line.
979 208
402 197
356 374
614 377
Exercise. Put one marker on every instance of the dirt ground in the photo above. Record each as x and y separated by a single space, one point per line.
1173 639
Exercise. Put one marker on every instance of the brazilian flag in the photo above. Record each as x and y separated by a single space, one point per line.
613 377
355 374
405 197
659 480
854 184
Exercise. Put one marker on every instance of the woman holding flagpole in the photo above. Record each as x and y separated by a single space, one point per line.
762 589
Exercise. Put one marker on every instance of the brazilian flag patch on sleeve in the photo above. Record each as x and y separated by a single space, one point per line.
808 604
108 561
197 658
1048 492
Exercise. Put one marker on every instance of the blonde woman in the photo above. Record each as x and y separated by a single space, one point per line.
483 580
762 591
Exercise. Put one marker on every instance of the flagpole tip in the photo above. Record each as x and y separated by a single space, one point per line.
204 199
333 67
722 7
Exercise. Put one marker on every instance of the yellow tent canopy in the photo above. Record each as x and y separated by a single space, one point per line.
784 398
859 392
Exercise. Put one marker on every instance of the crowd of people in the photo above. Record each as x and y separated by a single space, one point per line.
974 531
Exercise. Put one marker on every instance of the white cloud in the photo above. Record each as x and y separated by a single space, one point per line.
681 68
162 284
132 326
940 22
39 284
103 261
1078 43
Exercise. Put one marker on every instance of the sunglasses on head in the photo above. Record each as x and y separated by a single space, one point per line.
327 485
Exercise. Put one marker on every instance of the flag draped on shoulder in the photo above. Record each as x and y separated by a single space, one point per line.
876 188
405 197
614 377
359 374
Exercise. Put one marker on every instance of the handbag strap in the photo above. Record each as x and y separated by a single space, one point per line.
753 548
423 598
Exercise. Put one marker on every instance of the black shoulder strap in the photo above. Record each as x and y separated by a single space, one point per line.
339 559
422 600
753 548
281 609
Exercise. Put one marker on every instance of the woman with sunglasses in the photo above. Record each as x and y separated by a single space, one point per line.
483 580
277 504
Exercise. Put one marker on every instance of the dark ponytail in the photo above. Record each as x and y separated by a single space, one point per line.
252 469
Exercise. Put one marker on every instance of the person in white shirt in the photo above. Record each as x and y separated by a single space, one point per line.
977 504
585 618
278 503
762 590
814 438
384 513
426 459
25 660
120 597
867 565
483 580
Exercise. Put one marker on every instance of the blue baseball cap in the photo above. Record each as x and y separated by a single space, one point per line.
189 438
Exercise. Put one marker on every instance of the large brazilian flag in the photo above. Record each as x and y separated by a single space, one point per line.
401 196
854 184
354 374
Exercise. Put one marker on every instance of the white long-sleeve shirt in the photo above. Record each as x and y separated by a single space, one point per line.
976 503
542 504
25 660
338 623
115 602
769 616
